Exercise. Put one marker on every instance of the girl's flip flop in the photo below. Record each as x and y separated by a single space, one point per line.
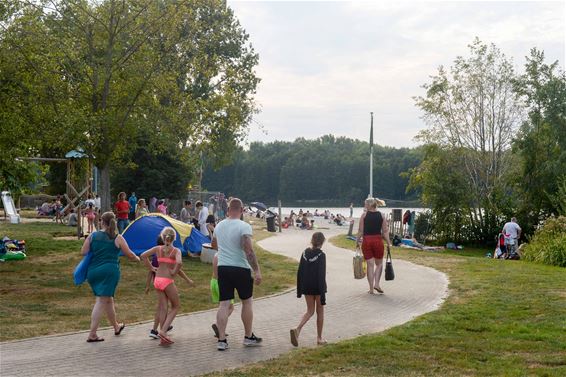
294 337
120 329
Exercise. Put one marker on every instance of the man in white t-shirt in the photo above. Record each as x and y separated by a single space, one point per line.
512 232
202 215
236 260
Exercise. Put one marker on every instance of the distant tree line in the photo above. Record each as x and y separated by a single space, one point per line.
331 170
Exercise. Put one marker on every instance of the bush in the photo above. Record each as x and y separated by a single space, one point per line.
548 244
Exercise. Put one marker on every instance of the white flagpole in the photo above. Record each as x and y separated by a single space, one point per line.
371 159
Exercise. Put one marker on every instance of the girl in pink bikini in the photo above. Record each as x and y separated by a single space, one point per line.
169 258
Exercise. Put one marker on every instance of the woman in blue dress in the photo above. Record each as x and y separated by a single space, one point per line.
104 272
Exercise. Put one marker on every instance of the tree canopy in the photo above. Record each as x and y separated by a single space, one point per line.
100 74
325 170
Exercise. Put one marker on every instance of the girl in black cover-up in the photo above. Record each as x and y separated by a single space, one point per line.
311 282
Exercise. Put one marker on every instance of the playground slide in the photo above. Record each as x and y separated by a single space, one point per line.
10 208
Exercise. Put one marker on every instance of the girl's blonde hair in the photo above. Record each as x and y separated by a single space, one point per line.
109 222
168 235
141 201
317 240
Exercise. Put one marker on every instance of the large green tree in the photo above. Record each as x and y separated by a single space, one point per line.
100 74
472 113
541 141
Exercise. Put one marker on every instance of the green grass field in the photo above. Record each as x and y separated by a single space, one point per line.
38 297
502 318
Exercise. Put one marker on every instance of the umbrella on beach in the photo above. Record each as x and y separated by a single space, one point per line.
259 205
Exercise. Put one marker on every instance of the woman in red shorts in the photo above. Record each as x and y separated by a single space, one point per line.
372 231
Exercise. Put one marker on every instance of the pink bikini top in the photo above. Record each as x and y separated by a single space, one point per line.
165 259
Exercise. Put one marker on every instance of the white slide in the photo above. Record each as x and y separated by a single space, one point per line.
10 208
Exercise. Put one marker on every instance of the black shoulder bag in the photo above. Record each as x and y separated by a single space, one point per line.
389 273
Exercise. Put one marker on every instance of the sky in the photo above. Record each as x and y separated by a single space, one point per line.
324 66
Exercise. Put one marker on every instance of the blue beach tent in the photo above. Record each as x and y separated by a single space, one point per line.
142 234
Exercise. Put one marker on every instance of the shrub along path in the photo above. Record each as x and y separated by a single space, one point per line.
350 312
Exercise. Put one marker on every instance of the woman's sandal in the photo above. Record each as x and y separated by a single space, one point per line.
97 339
120 329
379 290
294 337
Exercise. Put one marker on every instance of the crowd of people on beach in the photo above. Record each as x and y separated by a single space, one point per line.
235 269
306 219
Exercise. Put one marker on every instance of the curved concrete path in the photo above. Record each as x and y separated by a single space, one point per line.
350 312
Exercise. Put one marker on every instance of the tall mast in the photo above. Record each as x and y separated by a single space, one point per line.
371 158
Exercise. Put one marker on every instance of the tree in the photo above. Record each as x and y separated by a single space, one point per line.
164 175
472 111
326 170
104 73
541 141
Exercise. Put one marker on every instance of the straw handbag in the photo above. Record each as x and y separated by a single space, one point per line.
359 264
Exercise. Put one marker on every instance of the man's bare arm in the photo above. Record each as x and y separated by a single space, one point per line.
250 255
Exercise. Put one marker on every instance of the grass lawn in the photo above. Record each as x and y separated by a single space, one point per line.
501 318
38 297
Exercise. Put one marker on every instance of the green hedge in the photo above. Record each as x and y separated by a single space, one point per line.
548 244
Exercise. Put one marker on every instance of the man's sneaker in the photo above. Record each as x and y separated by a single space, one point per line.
252 341
155 335
222 345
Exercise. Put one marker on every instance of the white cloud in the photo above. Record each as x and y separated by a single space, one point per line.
325 66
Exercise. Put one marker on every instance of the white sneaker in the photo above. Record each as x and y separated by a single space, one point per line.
222 345
252 341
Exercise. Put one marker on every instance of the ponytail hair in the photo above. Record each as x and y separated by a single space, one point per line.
168 235
317 240
109 222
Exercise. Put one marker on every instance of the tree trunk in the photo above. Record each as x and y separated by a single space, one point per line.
105 198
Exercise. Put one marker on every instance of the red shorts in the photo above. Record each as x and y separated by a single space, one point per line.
372 247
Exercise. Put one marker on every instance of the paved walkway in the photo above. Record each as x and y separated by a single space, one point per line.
350 312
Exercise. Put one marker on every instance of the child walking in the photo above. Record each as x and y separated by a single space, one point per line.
170 262
215 293
153 333
311 282
90 216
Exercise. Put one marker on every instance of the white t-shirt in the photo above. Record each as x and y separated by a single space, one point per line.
89 201
97 202
202 215
511 230
228 234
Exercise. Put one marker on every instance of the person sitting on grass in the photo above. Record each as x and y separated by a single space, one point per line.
311 282
149 281
305 223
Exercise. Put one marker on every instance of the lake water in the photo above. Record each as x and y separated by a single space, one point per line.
344 211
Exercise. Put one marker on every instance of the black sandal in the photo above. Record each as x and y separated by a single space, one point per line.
120 329
97 339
